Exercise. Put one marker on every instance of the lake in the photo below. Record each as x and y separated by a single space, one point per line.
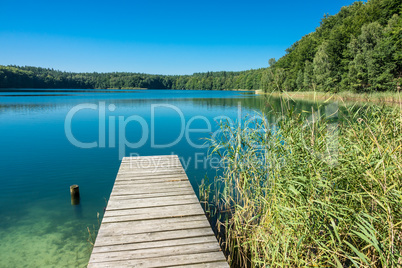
51 139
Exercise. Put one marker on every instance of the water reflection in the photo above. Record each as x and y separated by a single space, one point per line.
38 163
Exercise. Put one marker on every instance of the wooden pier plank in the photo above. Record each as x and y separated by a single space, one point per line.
156 252
156 244
151 195
154 225
154 219
107 240
201 259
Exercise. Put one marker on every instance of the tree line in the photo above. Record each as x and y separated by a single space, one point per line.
359 49
36 77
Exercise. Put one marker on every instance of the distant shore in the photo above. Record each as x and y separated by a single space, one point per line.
378 97
136 88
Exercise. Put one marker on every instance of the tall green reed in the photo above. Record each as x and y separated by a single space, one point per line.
313 189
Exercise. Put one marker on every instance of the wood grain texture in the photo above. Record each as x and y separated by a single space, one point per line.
154 219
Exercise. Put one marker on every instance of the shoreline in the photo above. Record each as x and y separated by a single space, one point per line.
378 97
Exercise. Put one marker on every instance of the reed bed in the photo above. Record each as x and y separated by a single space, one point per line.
314 189
386 97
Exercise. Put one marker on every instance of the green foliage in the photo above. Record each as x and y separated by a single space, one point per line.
319 188
300 79
33 77
359 49
322 68
308 81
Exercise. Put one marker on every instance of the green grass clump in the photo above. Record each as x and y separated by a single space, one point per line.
313 189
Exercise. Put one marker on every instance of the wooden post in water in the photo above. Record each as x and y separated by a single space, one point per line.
75 194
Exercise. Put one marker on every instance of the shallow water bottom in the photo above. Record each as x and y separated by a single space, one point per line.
37 240
39 161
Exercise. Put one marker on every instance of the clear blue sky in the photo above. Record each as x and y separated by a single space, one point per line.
158 37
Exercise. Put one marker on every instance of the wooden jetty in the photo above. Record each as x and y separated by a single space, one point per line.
154 219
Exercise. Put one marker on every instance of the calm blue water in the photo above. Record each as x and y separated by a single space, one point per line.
42 138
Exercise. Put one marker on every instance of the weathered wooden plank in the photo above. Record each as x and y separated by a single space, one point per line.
150 183
153 171
170 184
146 157
150 163
218 264
124 192
200 258
141 179
151 202
156 252
153 163
107 240
154 225
152 189
175 192
155 196
151 176
146 213
155 244
112 238
134 178
166 158
163 211
155 185
154 219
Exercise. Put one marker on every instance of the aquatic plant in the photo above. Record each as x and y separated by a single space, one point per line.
312 189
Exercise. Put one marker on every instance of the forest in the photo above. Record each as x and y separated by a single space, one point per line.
359 49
